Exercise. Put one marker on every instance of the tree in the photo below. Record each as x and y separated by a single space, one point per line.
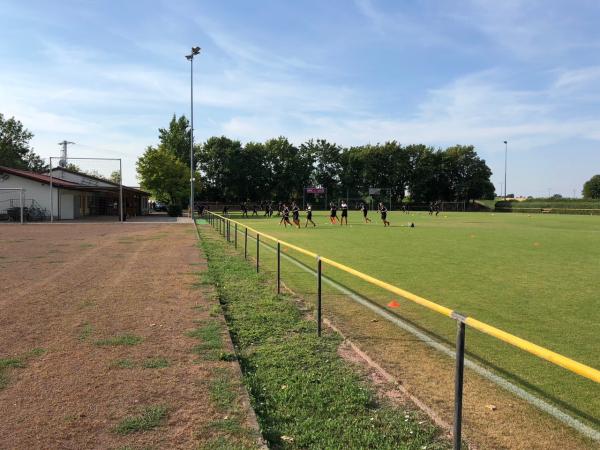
257 176
221 162
15 150
327 164
468 175
115 177
591 188
177 137
291 166
353 174
164 175
426 181
73 167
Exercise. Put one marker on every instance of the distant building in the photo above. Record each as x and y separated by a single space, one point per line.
74 195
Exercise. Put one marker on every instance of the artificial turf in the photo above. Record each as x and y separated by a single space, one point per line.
536 276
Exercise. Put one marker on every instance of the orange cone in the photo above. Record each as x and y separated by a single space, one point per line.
393 304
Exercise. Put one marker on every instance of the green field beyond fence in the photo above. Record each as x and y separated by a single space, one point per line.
536 277
571 206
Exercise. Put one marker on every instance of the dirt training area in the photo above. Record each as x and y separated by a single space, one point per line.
107 340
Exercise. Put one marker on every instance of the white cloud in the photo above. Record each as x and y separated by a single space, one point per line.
584 78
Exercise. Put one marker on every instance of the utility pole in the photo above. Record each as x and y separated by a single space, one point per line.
63 154
190 58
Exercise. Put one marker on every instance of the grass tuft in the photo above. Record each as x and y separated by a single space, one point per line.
156 363
150 418
86 332
16 363
211 343
123 364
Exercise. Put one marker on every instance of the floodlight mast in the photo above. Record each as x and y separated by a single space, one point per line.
505 164
190 58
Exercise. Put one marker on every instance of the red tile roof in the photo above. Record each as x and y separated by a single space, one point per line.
38 177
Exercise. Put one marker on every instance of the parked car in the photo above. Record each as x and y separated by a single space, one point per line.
158 206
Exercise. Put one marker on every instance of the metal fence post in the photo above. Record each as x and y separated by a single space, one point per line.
22 202
228 231
246 243
257 251
318 296
235 237
458 380
278 268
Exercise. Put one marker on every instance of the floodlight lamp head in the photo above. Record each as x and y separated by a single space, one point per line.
506 142
195 50
189 57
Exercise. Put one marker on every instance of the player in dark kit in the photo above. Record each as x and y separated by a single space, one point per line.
296 214
344 206
365 211
244 210
309 216
285 216
383 211
333 214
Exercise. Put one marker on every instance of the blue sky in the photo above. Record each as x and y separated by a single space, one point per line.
108 74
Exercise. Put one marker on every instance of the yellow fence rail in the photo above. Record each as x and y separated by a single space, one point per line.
541 352
555 358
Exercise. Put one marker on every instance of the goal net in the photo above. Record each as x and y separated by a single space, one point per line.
12 205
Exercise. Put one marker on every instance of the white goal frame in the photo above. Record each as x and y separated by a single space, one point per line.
21 199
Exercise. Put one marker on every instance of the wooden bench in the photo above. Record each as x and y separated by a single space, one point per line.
546 210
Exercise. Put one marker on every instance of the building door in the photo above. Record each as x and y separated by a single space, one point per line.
66 206
76 206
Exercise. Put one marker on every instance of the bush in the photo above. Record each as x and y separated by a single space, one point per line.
174 210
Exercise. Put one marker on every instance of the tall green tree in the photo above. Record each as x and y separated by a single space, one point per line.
221 162
291 166
468 175
15 149
327 168
353 173
164 175
591 188
257 175
176 138
426 180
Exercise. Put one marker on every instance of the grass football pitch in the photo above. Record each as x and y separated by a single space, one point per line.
537 277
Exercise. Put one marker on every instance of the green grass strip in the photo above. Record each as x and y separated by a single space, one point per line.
304 394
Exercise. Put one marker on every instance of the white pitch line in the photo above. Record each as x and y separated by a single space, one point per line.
519 392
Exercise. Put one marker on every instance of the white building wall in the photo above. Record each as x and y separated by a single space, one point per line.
40 192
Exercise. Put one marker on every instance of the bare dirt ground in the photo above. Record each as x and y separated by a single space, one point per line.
64 289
